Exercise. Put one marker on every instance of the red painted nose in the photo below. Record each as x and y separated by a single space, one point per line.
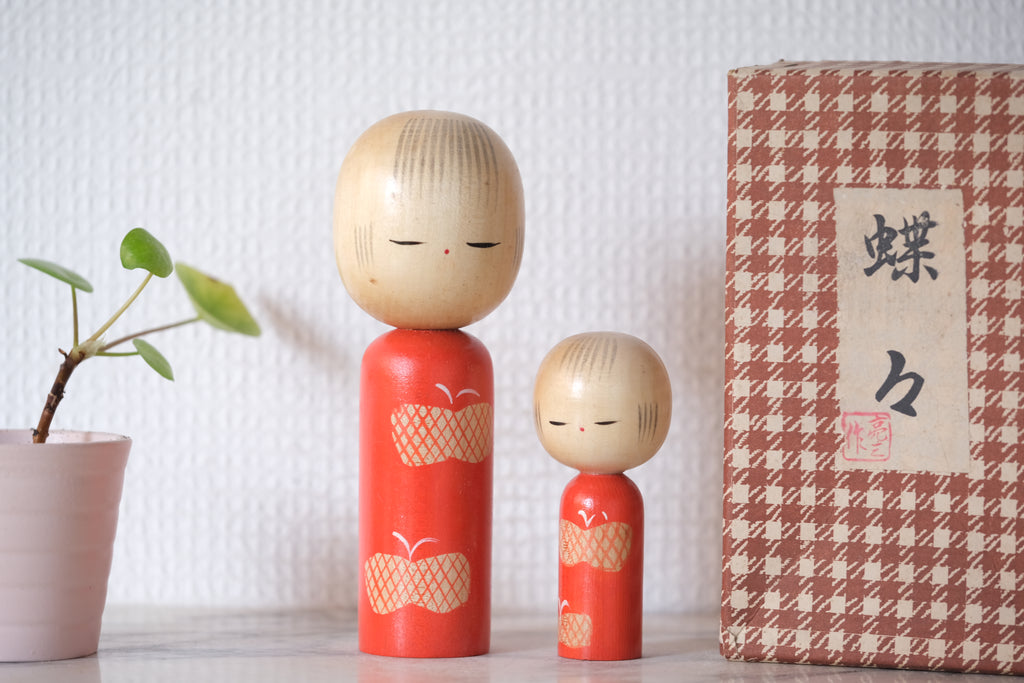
581 429
446 251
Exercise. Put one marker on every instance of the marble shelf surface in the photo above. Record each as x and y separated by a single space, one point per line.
156 644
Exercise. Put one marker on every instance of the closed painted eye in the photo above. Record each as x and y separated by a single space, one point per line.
556 423
483 245
405 243
606 422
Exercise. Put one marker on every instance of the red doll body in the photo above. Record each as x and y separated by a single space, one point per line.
600 569
425 482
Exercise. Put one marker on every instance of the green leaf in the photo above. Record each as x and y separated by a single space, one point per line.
216 302
60 272
139 249
154 358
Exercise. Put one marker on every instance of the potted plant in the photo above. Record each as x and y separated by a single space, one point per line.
60 490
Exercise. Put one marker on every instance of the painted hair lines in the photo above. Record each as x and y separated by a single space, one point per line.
590 356
647 414
432 152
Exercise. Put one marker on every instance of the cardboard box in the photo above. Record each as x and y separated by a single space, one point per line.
874 398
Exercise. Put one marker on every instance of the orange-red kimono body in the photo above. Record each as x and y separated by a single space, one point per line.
600 568
425 490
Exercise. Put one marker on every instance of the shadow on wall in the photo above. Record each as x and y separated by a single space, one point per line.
697 299
307 338
316 553
328 571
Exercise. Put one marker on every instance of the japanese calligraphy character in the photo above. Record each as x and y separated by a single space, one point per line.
915 237
881 246
905 404
882 251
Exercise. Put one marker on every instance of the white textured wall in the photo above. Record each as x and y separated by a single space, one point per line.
220 128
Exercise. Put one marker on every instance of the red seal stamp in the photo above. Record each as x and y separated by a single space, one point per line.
867 437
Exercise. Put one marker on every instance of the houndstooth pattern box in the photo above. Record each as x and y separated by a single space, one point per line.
874 398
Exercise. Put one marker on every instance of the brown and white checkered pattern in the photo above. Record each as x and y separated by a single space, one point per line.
893 569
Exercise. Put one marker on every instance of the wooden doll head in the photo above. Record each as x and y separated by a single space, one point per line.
428 220
602 402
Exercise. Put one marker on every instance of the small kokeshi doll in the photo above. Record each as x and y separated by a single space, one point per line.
602 404
428 234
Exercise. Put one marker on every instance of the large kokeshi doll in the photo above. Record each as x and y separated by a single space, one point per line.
602 404
428 233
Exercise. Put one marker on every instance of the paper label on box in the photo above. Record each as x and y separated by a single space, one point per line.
902 352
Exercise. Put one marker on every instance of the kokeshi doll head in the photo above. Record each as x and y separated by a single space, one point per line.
428 220
602 402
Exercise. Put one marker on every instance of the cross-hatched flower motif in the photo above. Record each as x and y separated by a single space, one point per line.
425 435
439 583
574 630
605 546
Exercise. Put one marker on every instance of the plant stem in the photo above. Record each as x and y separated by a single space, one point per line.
71 361
87 349
122 340
76 356
99 333
74 315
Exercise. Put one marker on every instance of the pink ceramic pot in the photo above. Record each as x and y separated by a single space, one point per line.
58 516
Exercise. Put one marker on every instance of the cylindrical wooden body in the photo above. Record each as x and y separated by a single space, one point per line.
425 490
600 569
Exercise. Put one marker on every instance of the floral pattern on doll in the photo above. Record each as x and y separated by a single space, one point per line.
425 435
